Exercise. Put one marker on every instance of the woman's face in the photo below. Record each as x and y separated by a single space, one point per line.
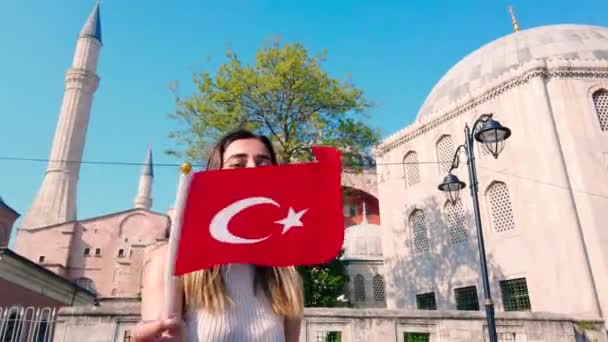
246 153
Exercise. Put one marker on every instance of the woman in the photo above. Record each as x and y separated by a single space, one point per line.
231 302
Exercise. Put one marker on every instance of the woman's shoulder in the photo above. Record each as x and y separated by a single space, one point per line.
156 255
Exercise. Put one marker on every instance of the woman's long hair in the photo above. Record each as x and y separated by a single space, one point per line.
282 285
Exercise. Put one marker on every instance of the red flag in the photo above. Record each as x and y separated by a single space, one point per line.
271 215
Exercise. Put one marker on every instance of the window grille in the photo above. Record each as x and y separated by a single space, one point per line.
506 337
500 206
426 301
378 281
515 294
454 216
466 298
410 168
445 153
416 337
600 101
419 233
359 285
328 336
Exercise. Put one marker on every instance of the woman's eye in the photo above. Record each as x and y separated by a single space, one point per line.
235 166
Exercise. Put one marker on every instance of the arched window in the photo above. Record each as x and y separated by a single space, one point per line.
378 288
600 101
116 277
374 246
445 153
359 286
419 234
86 283
454 217
361 246
500 206
411 173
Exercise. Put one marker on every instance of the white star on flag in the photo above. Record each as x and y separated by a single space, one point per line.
292 220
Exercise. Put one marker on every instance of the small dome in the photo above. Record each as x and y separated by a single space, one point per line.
363 242
506 53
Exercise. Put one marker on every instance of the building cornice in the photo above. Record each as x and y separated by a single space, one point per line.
22 272
547 69
97 218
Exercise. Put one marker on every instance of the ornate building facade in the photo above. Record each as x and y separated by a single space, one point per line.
543 200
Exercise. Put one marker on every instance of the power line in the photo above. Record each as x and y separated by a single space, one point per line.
116 163
544 183
90 162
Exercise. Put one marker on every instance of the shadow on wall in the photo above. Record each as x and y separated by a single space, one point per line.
451 260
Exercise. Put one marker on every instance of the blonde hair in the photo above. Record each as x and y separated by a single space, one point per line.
282 285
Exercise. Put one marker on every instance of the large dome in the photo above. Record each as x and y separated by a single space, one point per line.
503 54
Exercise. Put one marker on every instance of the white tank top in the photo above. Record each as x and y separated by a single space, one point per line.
249 319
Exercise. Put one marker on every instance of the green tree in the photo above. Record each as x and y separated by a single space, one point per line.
285 95
324 284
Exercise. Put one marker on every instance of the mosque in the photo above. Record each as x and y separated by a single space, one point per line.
106 254
543 200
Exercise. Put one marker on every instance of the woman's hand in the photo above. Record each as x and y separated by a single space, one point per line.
168 330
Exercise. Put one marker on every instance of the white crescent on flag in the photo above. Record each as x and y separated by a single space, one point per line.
219 224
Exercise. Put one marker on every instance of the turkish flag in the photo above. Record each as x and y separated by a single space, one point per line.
282 215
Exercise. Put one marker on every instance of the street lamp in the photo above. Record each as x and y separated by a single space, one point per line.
492 135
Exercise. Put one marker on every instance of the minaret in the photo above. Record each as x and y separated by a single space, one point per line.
55 201
144 193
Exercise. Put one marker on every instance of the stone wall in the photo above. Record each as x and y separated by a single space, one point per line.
112 320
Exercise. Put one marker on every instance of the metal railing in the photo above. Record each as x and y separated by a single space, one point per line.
27 324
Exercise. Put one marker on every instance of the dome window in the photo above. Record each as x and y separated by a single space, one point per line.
445 153
500 207
411 174
600 101
419 232
359 287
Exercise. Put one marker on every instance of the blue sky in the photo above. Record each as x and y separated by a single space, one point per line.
395 50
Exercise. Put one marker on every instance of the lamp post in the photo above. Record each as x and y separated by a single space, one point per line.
493 135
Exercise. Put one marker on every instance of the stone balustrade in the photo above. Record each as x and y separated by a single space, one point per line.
112 320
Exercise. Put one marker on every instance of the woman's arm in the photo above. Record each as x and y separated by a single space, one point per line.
292 329
153 283
153 300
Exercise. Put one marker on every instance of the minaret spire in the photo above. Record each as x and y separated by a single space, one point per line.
513 19
143 199
55 201
364 213
92 28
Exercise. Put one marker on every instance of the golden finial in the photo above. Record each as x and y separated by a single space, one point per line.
186 168
513 19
